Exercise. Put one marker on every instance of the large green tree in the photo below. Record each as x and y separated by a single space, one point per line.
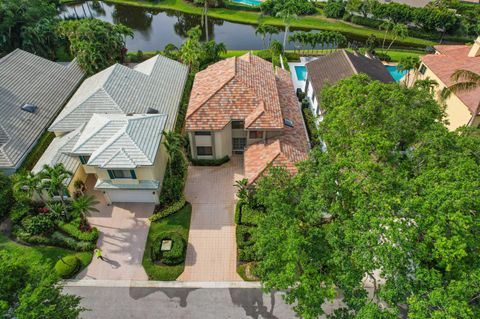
96 44
393 200
28 24
27 293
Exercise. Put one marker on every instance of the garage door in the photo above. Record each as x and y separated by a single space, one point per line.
132 196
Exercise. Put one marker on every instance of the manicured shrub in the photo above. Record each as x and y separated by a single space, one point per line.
300 95
67 266
273 7
250 216
40 224
6 195
384 57
171 209
73 229
238 212
244 236
175 255
19 211
309 118
174 181
210 162
247 254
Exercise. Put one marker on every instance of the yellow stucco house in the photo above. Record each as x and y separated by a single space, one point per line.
462 108
112 129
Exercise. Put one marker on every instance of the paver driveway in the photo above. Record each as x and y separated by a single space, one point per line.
211 252
123 232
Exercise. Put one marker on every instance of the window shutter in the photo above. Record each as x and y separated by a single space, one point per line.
110 173
132 173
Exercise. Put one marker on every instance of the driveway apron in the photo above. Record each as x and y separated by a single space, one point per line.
211 252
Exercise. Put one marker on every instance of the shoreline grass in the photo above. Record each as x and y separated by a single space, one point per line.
317 21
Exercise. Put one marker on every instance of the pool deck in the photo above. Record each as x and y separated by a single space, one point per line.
296 82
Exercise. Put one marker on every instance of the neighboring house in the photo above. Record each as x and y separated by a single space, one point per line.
32 92
242 105
331 68
112 128
462 107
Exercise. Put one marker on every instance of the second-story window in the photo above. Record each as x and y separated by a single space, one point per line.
255 134
122 174
84 159
423 69
237 125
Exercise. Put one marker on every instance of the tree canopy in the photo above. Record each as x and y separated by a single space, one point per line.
96 44
393 201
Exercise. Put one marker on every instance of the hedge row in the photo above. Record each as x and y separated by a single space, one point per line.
73 229
37 151
56 239
171 209
210 162
67 266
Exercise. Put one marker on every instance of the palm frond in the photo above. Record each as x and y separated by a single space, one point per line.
464 86
466 76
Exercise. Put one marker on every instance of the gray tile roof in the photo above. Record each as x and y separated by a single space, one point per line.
57 153
118 141
334 67
27 78
157 83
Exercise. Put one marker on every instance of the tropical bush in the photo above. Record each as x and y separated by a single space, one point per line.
19 211
175 255
6 195
244 236
238 212
73 229
40 224
273 7
67 266
171 209
335 9
250 216
247 254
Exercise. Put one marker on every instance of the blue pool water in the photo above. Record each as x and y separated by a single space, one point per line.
396 75
301 72
253 3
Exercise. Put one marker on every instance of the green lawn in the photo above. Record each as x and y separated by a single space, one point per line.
38 255
317 21
178 222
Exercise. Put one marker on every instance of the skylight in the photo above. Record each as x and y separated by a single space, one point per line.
30 108
288 122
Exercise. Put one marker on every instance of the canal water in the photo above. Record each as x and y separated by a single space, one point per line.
154 28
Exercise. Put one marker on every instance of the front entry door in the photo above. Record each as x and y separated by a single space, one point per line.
238 145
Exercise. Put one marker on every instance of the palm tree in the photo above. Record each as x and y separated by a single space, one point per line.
398 31
465 80
385 26
426 84
191 50
84 205
288 16
52 180
29 184
262 31
172 143
407 64
242 189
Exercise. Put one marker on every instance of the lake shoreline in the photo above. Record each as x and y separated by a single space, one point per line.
315 22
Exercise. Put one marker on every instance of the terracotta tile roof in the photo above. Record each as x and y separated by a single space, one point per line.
247 88
449 59
286 149
235 89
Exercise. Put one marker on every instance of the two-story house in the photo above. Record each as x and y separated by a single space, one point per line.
243 105
112 129
462 107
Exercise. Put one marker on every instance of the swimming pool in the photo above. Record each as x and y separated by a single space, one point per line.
253 3
395 73
301 72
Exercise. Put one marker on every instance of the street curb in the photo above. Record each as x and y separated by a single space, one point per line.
159 284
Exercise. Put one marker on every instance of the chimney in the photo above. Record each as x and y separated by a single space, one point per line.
475 50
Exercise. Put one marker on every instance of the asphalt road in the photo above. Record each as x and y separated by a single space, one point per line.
176 303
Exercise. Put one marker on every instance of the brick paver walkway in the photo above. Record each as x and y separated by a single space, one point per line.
123 231
211 252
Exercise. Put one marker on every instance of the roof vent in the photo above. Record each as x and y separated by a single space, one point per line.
129 114
152 111
288 122
30 108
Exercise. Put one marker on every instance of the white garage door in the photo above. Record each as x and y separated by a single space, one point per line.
132 196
